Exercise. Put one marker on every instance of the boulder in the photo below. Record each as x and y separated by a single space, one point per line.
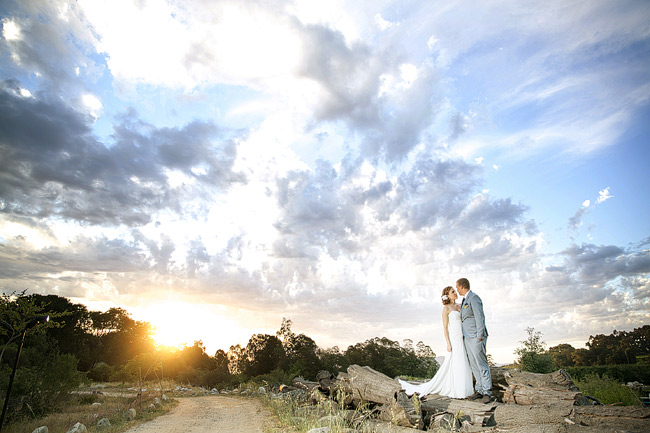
78 428
41 429
130 414
319 430
104 422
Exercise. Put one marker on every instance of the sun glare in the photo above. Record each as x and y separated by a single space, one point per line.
181 323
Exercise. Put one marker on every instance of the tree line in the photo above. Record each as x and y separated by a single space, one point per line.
617 348
77 345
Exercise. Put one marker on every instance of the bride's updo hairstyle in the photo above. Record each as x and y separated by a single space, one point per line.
445 295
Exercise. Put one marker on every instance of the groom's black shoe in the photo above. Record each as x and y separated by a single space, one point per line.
486 399
475 396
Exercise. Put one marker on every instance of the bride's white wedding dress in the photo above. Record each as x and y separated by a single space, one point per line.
454 378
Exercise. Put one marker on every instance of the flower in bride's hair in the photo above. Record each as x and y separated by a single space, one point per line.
445 297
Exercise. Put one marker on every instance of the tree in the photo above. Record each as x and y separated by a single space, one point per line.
301 352
264 353
531 354
236 359
388 357
71 328
563 355
121 337
44 377
302 355
332 359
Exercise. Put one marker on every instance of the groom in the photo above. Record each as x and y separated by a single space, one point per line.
475 338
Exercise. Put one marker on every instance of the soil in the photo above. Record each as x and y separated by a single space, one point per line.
211 413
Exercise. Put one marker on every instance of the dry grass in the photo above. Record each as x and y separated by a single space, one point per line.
114 401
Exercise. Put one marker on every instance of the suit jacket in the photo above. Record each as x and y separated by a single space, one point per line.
472 317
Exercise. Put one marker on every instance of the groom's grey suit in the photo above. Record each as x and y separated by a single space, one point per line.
473 324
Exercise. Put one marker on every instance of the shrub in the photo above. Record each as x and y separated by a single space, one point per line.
607 390
42 383
623 373
101 372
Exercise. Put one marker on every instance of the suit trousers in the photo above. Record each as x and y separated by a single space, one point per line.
477 357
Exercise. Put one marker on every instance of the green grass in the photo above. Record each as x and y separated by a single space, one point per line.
607 390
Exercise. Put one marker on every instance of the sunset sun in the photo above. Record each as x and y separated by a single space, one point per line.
181 323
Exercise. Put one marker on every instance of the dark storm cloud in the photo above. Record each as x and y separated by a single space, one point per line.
53 165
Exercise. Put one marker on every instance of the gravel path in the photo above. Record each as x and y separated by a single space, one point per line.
210 414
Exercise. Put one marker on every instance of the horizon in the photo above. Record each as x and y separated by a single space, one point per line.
219 166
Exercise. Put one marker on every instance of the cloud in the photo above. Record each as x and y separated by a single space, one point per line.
575 222
603 195
344 192
54 166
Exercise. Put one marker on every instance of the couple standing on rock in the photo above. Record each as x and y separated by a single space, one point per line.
466 335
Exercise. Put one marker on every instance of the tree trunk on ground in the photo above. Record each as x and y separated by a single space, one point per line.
526 388
559 379
516 415
402 412
479 414
608 418
366 384
307 385
526 395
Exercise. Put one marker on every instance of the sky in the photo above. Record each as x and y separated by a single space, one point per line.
215 166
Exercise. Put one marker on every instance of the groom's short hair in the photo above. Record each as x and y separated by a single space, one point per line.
464 283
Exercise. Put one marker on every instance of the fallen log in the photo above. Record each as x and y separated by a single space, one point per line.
527 395
517 415
479 414
608 418
306 385
324 379
403 411
498 379
374 426
366 384
560 379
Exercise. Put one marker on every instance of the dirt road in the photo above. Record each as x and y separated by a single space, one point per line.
210 414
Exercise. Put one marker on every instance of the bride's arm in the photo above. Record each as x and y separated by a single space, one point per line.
445 326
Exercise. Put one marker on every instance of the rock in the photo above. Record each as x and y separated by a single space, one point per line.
104 422
261 390
95 404
319 430
151 407
165 398
98 386
130 414
77 428
41 429
634 385
332 420
156 401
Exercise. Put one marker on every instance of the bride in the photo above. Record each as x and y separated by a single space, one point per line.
454 378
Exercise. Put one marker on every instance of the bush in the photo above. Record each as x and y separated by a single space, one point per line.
122 374
42 383
101 372
607 390
623 373
536 362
